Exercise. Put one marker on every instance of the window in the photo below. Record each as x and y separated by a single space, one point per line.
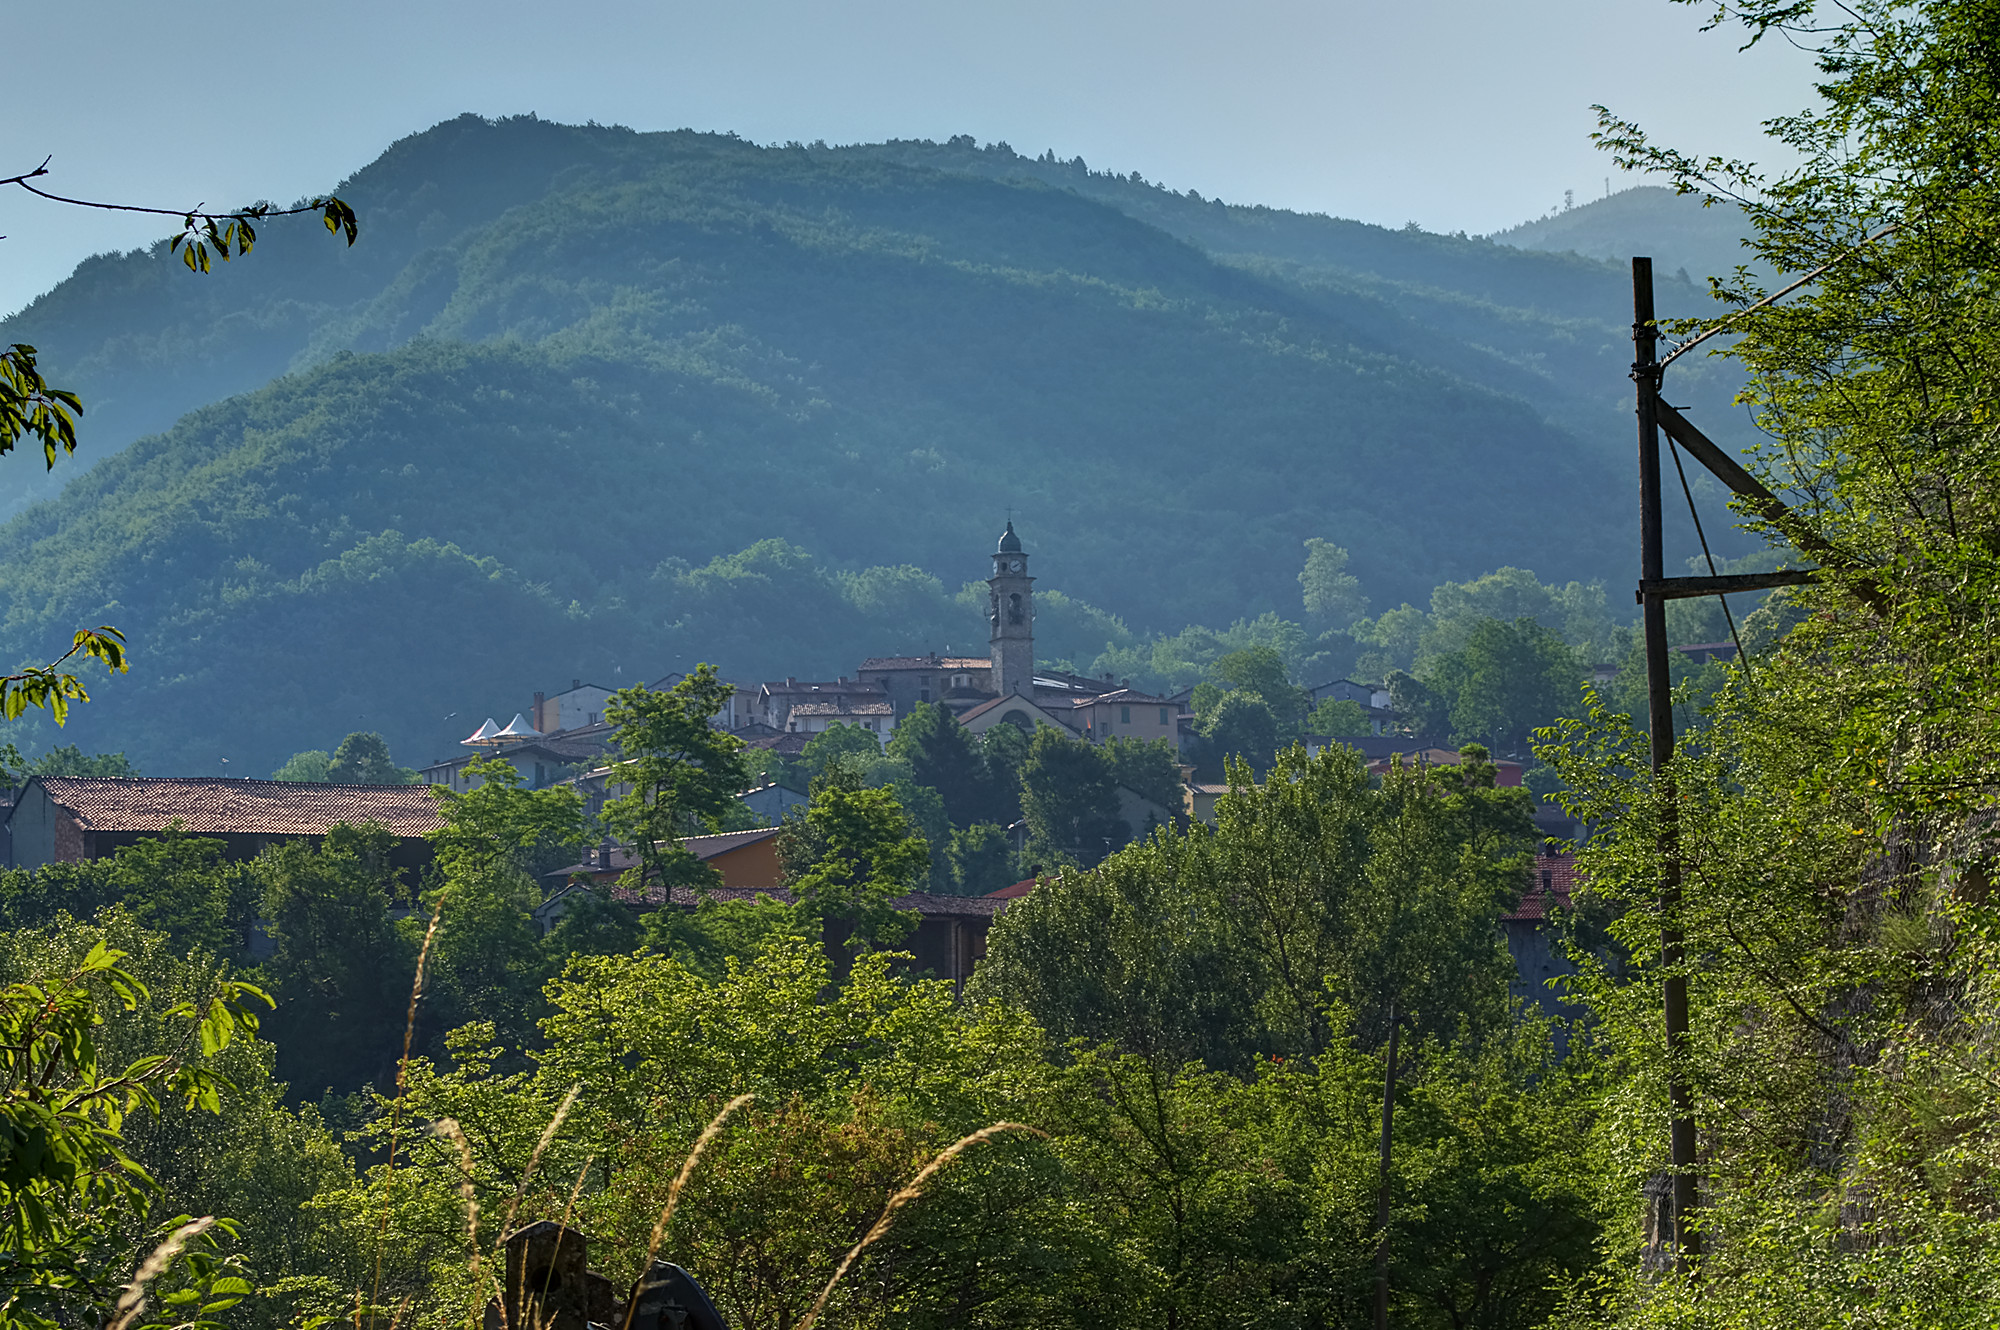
1163 716
1124 715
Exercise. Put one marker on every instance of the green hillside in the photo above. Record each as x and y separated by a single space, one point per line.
1675 230
590 402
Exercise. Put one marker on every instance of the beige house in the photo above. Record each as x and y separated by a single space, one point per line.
1126 714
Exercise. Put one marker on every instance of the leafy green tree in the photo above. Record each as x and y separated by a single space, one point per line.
943 756
1332 594
339 970
1339 718
310 766
1150 769
855 746
981 860
1421 711
1241 726
363 759
850 856
1069 797
683 773
1003 751
188 888
486 958
69 760
1506 681
74 1196
1260 672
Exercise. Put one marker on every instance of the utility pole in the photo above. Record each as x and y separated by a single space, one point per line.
1660 716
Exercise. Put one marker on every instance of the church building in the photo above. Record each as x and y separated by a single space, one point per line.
964 683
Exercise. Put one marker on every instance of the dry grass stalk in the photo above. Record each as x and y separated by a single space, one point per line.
913 1189
451 1131
133 1300
396 1109
708 1133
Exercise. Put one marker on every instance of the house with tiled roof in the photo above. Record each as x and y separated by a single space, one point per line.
1531 933
913 681
746 859
876 716
67 819
777 698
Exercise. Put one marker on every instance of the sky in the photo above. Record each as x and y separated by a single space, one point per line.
1455 114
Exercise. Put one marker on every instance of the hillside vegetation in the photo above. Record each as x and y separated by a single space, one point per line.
591 402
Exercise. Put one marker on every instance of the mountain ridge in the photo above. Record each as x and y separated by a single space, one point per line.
688 373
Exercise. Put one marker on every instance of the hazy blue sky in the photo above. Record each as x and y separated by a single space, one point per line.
1457 114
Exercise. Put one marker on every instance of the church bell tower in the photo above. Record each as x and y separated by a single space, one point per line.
1013 614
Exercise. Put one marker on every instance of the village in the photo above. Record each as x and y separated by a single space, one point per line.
562 737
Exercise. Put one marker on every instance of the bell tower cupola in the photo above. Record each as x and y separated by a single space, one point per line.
1013 615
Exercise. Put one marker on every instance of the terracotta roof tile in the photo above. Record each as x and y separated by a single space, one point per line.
1549 892
214 805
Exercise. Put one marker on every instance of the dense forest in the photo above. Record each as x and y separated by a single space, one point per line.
590 403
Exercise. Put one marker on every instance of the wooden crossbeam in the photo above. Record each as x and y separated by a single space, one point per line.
1725 584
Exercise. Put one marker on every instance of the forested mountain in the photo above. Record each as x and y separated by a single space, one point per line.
585 401
1675 230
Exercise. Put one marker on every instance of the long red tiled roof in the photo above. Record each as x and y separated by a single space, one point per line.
215 805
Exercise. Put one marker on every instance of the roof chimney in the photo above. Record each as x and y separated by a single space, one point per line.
575 684
790 682
841 678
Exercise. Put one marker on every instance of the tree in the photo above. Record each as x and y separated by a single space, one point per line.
980 859
1260 673
1508 679
1339 718
1003 750
69 760
855 746
1241 726
363 759
309 766
683 774
1420 711
1151 770
1069 797
943 756
70 1184
850 857
339 970
1332 594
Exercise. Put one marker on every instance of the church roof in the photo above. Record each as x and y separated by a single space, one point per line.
1009 542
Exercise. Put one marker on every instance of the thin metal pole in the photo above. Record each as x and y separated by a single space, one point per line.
1660 717
1382 1191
